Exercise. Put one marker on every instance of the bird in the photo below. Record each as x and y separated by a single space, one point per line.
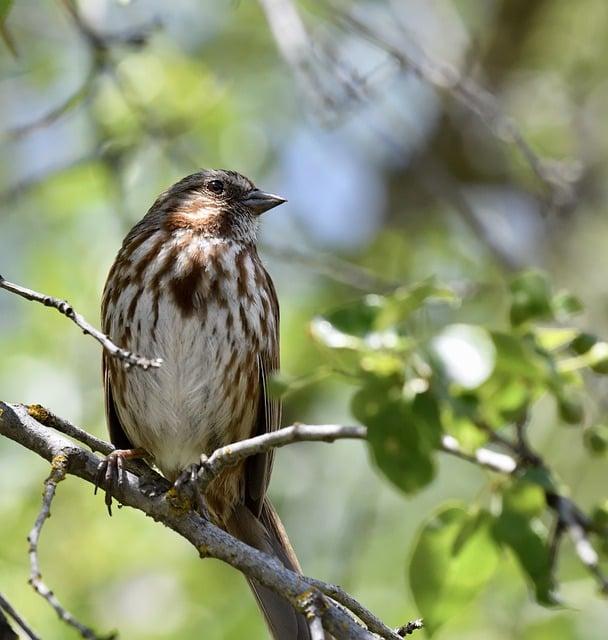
189 286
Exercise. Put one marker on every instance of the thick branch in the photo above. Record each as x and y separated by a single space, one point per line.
68 311
17 424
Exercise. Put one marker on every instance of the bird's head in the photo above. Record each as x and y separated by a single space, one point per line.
215 203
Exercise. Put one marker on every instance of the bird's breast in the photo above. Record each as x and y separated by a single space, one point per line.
203 307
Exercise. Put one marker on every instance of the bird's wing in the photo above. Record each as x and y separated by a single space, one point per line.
259 467
118 437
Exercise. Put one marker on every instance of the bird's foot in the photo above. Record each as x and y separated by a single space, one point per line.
111 473
188 486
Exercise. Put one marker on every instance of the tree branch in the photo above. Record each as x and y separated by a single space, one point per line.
59 468
171 508
127 357
232 454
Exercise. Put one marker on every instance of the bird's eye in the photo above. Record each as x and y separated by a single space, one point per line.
217 186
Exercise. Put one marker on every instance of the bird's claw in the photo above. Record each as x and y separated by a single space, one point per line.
187 485
111 473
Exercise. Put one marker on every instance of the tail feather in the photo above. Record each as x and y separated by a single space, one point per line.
267 534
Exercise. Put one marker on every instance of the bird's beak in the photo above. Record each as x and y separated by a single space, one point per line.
260 201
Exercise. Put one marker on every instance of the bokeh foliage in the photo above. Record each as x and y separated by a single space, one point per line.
411 390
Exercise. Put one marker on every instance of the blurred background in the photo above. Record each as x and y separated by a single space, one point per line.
371 119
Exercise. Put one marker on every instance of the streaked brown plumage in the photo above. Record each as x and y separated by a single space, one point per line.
188 286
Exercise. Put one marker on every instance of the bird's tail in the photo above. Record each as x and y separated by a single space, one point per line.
267 534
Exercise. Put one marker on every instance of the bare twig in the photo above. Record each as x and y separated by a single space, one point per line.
493 460
232 454
49 419
8 609
127 357
59 469
372 622
410 627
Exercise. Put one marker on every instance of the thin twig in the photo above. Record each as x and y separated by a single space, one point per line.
232 454
49 419
571 519
410 627
127 357
372 622
483 457
59 469
6 606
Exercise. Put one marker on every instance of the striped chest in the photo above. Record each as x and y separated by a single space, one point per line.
206 307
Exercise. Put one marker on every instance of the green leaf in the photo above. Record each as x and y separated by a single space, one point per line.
582 343
530 298
570 406
526 498
397 307
542 477
401 432
519 529
596 439
5 7
566 305
512 400
453 559
599 518
358 317
554 338
515 356
5 34
466 353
